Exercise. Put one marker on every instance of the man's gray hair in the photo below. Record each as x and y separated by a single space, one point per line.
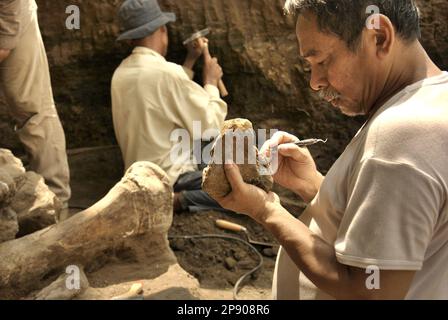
347 18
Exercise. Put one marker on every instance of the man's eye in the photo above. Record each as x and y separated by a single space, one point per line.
322 63
306 66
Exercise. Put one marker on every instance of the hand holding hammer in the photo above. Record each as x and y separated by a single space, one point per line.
212 70
210 64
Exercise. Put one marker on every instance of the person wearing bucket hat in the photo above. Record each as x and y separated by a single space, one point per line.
140 18
151 98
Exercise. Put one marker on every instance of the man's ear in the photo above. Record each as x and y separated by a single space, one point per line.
383 32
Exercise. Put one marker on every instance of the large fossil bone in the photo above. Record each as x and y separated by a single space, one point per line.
141 203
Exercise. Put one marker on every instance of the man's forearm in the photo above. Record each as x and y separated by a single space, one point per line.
189 62
314 257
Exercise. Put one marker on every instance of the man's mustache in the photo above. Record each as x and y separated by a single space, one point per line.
328 94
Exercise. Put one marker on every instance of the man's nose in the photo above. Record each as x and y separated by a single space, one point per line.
318 80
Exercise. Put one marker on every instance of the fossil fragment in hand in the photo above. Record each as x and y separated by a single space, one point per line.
237 142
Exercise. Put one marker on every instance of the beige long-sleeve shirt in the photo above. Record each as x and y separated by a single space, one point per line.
150 99
15 15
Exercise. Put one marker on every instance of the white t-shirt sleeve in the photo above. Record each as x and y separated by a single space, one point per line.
390 217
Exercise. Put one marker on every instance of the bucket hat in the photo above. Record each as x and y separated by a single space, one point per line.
140 18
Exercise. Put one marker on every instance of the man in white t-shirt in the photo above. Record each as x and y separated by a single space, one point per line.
377 224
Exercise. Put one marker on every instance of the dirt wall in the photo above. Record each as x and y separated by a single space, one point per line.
254 41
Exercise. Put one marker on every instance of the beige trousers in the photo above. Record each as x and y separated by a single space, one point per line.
25 80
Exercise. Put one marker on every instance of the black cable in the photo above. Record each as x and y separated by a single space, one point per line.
236 288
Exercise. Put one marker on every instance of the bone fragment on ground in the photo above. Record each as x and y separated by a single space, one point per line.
7 188
140 203
36 205
26 194
67 287
12 165
9 225
214 179
9 168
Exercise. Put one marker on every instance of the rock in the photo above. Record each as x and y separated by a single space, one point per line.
269 252
178 244
10 164
8 225
245 155
36 205
7 188
247 263
238 254
10 167
230 263
26 194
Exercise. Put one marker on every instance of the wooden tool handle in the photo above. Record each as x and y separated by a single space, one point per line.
222 89
223 224
221 86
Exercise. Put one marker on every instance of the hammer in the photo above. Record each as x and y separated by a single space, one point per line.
221 86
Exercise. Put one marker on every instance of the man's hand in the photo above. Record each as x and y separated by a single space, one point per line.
212 70
246 198
4 53
195 50
296 167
